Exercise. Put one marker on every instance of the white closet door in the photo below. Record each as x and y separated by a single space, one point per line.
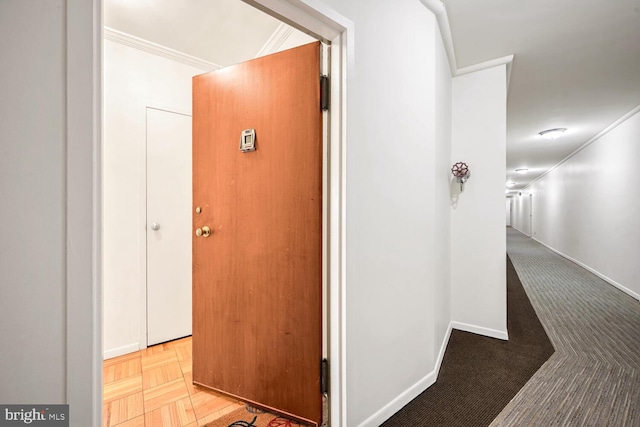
168 226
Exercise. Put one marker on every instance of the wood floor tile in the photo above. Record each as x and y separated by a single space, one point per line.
123 369
154 350
186 368
105 415
154 387
121 388
135 422
176 414
208 402
126 408
177 343
120 359
188 379
219 413
159 375
164 394
151 361
184 353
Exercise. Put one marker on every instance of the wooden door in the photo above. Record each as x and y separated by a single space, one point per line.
257 279
168 226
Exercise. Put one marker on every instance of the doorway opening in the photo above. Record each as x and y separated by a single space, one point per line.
334 178
531 230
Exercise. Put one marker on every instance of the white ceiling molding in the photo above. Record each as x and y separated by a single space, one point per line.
505 60
440 12
438 9
279 36
159 50
602 133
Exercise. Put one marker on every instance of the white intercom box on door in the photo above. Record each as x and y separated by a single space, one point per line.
248 140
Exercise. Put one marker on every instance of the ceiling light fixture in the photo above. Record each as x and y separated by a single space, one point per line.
522 171
510 184
552 133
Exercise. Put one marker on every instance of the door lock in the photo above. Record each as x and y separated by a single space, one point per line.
203 232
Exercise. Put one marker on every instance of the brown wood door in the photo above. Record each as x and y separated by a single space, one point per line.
257 279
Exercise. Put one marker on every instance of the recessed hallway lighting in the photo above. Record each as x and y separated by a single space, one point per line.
510 184
522 171
552 133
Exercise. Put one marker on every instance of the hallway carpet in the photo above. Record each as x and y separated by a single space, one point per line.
593 378
480 375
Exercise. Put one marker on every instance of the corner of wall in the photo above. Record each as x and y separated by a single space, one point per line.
412 392
478 242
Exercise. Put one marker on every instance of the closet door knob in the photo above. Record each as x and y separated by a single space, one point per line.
155 226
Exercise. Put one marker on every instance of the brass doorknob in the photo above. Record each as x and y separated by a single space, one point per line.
203 232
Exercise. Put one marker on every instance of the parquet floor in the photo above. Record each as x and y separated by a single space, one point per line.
153 387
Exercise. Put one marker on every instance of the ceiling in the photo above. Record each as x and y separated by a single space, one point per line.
223 32
576 65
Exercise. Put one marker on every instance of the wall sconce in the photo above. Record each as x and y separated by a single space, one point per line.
462 173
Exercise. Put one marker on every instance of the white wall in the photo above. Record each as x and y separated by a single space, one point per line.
478 243
442 219
32 190
133 81
520 217
588 208
508 212
391 229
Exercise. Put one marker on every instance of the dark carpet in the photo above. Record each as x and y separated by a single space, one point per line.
480 375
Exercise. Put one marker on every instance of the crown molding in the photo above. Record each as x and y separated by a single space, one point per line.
437 8
279 36
440 11
505 60
156 49
599 135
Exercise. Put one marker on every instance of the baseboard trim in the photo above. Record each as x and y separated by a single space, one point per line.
591 270
399 402
443 348
492 333
411 393
125 349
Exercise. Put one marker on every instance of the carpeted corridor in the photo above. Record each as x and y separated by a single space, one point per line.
592 378
480 375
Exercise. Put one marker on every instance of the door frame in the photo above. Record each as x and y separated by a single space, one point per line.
530 214
84 105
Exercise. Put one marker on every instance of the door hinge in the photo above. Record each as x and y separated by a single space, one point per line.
324 376
324 93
